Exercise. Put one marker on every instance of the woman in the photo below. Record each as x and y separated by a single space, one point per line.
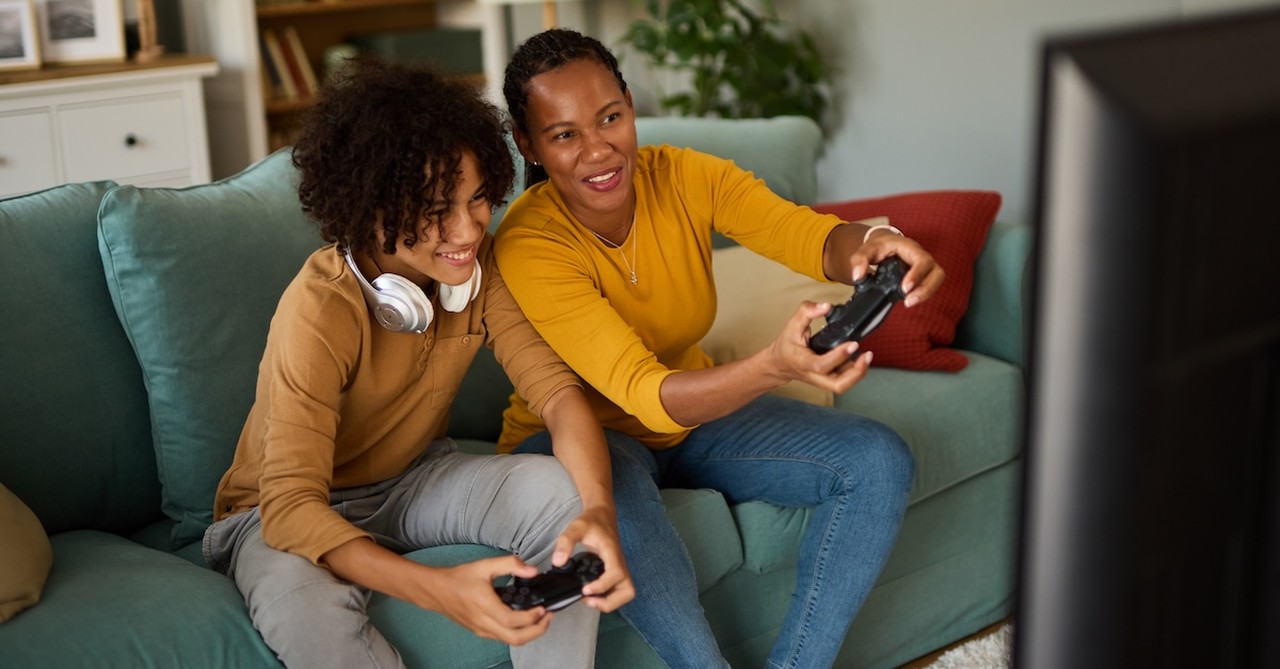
610 259
343 464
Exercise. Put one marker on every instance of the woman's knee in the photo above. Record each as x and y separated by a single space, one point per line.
863 454
887 458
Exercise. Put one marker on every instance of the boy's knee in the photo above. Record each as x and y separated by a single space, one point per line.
541 479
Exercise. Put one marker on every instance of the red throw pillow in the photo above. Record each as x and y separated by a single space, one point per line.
951 225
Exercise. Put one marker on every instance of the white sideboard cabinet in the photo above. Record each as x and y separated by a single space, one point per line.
131 123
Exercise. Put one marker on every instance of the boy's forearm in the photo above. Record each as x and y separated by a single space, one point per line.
578 442
363 562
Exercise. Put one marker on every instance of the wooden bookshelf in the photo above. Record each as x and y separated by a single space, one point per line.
323 24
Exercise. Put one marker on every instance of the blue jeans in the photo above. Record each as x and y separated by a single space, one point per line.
853 472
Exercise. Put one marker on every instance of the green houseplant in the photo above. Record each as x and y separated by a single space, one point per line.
741 62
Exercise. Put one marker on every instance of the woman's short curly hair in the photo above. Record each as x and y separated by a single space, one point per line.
386 139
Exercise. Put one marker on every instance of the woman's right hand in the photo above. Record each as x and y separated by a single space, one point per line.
794 360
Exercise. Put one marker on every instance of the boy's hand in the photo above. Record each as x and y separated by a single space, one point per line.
464 594
596 529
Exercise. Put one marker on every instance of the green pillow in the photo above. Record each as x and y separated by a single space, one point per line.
195 274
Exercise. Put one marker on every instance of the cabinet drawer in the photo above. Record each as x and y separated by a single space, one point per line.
124 137
27 161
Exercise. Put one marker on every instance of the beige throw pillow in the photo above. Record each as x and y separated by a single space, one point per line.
25 553
756 297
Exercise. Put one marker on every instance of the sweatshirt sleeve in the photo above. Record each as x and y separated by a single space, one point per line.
533 367
554 284
307 362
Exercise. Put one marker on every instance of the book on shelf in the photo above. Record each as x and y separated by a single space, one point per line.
275 57
299 64
272 82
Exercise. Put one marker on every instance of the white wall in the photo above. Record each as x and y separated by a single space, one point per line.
930 93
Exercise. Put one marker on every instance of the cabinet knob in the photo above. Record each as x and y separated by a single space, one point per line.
130 140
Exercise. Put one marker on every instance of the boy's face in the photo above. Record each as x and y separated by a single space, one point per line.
445 252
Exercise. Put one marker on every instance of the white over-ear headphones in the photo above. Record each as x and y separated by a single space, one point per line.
399 304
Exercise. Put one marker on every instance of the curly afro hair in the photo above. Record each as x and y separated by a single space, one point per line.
384 140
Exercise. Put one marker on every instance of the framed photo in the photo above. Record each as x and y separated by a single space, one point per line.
19 44
80 31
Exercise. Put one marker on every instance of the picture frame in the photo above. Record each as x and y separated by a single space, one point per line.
81 31
19 41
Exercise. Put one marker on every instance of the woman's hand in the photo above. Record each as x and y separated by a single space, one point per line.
597 529
922 279
846 258
792 358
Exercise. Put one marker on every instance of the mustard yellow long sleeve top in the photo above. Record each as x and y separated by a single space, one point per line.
625 339
343 402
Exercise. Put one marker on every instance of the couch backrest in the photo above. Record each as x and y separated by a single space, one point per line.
783 151
75 441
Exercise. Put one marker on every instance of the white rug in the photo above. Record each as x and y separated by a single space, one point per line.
994 651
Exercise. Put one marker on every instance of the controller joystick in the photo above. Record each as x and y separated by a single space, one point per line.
873 296
555 588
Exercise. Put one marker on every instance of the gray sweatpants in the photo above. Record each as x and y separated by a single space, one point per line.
311 618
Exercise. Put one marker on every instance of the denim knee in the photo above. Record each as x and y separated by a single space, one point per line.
884 458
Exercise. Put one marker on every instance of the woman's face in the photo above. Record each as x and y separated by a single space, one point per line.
445 252
581 127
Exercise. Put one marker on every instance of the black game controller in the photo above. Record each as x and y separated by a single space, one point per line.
873 296
553 589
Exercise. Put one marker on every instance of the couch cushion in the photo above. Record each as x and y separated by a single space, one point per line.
75 442
770 535
957 425
195 274
420 635
25 553
707 529
951 225
112 603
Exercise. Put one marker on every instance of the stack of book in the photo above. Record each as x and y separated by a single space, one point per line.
287 72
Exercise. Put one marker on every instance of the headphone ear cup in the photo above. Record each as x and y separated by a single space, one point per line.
401 305
455 298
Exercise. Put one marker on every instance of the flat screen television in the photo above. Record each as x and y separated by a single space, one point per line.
1150 531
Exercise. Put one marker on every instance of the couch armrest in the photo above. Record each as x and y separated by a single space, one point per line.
995 322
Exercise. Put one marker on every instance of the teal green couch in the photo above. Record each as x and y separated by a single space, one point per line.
130 331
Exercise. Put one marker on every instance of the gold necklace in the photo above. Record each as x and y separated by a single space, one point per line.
634 249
